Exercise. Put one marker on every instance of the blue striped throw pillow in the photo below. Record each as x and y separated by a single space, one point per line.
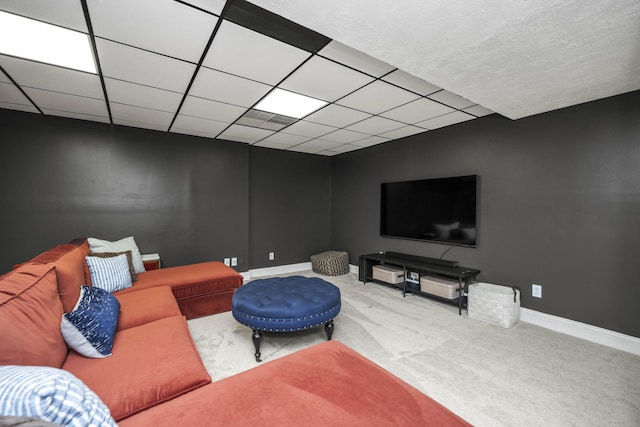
90 328
52 395
111 274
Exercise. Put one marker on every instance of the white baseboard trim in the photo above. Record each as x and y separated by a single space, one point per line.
273 271
582 330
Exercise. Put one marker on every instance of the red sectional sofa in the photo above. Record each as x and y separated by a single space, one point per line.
155 376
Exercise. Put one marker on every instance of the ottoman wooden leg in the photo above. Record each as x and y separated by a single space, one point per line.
257 339
328 328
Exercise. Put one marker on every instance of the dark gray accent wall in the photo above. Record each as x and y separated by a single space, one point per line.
559 204
290 205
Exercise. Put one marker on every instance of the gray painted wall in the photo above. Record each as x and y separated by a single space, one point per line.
187 198
559 204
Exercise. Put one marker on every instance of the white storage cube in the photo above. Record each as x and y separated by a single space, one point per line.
495 304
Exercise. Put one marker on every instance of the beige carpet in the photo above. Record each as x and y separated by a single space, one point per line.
522 376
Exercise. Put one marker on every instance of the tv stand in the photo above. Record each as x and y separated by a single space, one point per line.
423 266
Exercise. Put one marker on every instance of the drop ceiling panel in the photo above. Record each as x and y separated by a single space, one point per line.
65 102
11 94
268 144
197 126
355 59
245 134
64 13
317 145
455 101
212 110
285 139
344 136
337 115
75 115
478 111
142 96
162 26
377 97
122 113
325 80
242 52
50 77
402 132
132 123
213 6
372 140
417 111
344 148
308 129
445 120
410 82
222 87
20 107
138 66
375 125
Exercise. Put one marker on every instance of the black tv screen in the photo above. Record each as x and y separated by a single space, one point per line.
439 210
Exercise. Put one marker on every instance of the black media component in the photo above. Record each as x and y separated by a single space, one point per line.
441 210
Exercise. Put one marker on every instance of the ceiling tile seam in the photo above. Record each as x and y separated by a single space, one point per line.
71 112
144 49
139 106
96 57
144 85
198 8
20 89
62 93
199 65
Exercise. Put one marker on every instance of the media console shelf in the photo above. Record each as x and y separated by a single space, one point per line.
422 267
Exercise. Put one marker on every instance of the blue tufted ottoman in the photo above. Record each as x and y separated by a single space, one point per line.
285 304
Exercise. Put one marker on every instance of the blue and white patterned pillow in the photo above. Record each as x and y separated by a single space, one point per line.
90 328
111 274
52 395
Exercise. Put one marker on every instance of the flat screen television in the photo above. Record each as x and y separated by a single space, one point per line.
441 210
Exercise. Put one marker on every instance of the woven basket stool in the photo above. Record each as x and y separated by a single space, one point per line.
330 263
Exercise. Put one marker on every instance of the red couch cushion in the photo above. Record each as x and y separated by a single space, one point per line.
150 364
327 384
30 315
146 305
191 280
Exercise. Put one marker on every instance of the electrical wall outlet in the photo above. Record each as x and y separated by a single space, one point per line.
536 290
272 256
234 262
227 261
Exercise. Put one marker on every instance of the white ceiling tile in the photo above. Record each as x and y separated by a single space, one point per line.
377 97
138 66
213 6
269 144
244 134
445 120
372 140
325 80
417 111
411 82
344 148
198 126
240 51
64 102
49 77
163 26
355 59
75 115
312 130
11 94
344 136
20 107
64 13
142 96
478 111
456 101
375 125
222 87
303 148
320 144
402 132
213 110
135 124
337 116
286 139
122 113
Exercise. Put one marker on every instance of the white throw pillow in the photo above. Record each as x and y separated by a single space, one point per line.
122 245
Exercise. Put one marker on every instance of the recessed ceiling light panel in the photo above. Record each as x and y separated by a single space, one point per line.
39 41
289 104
